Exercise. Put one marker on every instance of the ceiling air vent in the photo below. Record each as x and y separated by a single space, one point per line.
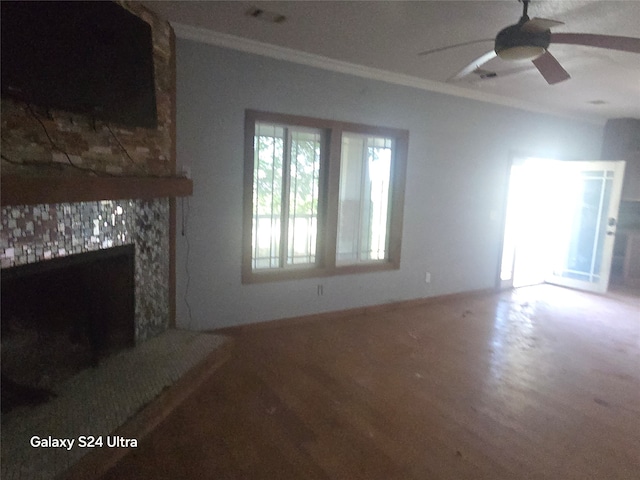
267 16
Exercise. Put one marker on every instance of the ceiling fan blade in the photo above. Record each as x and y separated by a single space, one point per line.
550 68
540 25
440 49
612 42
478 62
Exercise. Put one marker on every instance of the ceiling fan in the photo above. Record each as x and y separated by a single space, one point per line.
529 39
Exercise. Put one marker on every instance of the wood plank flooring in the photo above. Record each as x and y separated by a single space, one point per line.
538 383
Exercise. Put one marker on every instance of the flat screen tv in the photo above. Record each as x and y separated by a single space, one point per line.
93 58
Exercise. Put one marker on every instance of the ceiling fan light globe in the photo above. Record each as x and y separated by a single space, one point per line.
522 52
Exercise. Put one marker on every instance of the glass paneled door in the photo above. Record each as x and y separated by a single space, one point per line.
583 225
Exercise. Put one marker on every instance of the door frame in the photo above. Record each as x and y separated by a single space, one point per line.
519 157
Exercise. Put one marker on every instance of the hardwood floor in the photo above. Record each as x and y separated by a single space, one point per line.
541 382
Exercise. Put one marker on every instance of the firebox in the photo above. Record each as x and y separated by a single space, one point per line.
61 316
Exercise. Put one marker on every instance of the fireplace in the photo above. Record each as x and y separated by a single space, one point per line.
39 236
62 316
73 184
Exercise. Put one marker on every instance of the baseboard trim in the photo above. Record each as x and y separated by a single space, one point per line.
351 312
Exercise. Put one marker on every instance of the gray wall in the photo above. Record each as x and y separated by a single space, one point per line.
459 152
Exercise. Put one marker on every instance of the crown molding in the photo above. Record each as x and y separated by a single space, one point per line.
203 35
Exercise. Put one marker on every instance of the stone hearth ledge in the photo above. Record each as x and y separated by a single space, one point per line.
97 401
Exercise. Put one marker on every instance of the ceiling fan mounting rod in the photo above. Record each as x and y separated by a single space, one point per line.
525 8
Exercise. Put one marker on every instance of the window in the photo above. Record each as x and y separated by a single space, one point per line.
363 215
320 197
286 173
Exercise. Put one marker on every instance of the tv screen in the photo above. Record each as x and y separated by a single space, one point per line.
94 58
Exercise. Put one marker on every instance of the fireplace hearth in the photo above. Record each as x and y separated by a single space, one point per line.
61 316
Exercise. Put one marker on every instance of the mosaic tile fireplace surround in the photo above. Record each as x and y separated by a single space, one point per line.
39 233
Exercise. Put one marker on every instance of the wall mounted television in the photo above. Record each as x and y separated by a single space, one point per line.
93 58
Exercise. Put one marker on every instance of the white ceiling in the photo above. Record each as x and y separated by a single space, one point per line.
383 39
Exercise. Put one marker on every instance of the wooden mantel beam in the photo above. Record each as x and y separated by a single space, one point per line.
25 190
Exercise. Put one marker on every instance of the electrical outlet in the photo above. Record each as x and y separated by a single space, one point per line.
320 290
427 277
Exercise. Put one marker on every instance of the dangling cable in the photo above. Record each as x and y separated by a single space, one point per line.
120 144
59 149
185 215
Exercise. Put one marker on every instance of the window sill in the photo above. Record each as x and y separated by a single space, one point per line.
318 272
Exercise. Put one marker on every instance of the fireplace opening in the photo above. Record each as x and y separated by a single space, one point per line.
61 316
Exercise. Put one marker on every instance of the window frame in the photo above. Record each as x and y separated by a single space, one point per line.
328 202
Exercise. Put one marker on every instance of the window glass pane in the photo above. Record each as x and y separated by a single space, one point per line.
587 228
267 194
285 196
363 215
303 197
